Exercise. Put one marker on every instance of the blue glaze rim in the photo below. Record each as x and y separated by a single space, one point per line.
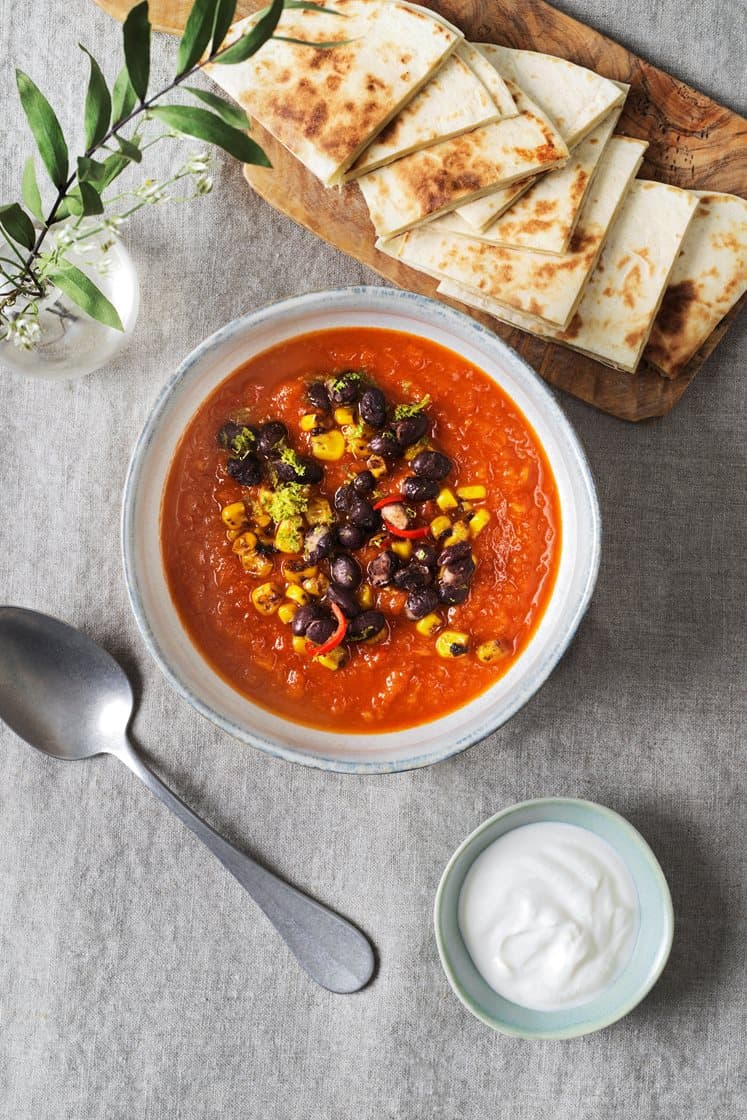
384 299
553 1024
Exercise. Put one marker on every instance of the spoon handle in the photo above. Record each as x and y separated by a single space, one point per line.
328 947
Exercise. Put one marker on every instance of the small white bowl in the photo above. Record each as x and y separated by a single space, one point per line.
184 667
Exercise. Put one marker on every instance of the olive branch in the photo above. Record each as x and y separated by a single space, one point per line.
26 268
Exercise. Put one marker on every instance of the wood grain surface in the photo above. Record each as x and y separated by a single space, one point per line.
693 142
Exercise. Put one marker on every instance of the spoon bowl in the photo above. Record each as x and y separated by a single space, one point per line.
67 697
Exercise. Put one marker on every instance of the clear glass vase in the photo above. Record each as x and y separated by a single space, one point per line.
61 341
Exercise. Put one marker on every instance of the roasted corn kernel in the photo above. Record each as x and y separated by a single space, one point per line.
308 422
472 493
319 511
446 499
439 526
358 447
459 532
344 415
403 549
245 542
329 446
452 643
376 465
478 522
234 516
366 596
267 598
297 594
316 585
335 659
287 612
297 575
299 643
429 625
255 564
493 650
289 535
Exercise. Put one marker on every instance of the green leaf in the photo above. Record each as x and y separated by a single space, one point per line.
30 189
136 32
206 126
130 149
18 225
91 199
196 35
83 292
98 109
231 114
123 97
308 6
224 13
257 35
43 122
92 171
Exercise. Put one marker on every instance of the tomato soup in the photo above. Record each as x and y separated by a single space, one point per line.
360 530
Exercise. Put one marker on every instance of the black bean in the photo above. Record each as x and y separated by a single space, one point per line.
351 536
385 444
228 433
310 472
319 543
411 429
362 513
346 388
372 408
344 498
421 603
454 552
363 483
413 578
431 464
451 594
247 471
458 571
304 617
283 472
419 489
345 600
425 553
318 396
269 439
382 568
345 571
321 629
396 515
366 625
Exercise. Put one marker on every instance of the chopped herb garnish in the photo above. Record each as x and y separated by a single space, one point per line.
345 378
403 411
243 443
289 500
289 456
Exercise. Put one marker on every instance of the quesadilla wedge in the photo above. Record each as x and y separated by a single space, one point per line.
545 289
453 101
708 278
327 105
560 88
613 320
544 218
436 179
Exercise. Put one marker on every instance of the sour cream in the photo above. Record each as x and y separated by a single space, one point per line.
549 914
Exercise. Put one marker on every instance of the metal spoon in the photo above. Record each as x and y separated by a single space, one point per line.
66 696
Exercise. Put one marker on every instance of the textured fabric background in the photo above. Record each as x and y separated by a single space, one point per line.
136 980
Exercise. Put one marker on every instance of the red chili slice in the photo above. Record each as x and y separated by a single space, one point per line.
334 640
388 501
408 534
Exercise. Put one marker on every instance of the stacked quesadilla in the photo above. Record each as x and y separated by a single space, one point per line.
496 171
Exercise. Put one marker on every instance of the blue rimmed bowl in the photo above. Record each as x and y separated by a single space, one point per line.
186 670
650 952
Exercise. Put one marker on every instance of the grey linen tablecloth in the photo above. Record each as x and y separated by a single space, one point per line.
136 980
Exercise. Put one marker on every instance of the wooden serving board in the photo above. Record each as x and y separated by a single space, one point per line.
693 142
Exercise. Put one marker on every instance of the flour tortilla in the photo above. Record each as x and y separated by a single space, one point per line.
326 106
614 317
436 179
543 288
453 101
559 89
709 277
544 218
489 77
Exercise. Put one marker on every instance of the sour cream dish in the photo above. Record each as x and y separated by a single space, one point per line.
549 914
